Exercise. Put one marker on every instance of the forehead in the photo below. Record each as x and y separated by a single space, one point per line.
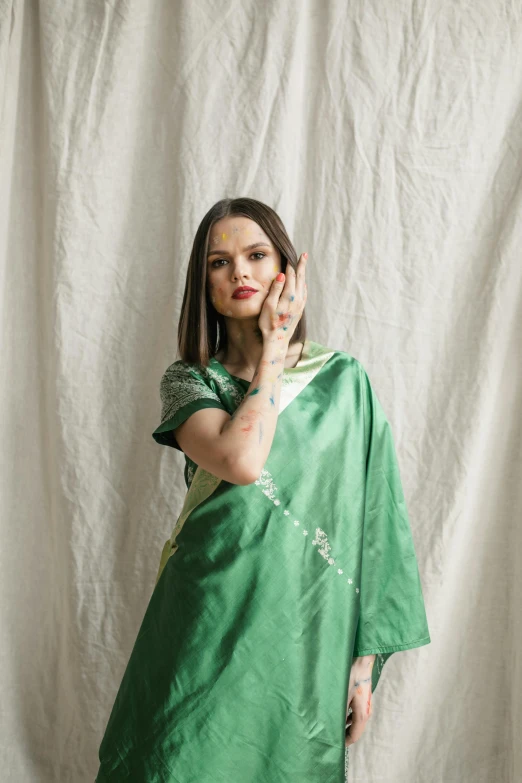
232 229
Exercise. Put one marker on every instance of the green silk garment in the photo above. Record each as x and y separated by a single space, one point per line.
266 592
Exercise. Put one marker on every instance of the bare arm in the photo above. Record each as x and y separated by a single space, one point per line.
236 447
250 431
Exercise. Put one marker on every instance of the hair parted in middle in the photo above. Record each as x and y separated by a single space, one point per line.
202 329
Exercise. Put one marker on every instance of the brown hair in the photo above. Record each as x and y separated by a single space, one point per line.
201 330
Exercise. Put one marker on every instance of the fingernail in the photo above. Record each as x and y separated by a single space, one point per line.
305 255
280 277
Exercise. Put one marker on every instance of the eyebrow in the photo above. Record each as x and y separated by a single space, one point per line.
248 247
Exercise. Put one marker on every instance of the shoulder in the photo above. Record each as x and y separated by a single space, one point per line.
181 377
349 365
180 371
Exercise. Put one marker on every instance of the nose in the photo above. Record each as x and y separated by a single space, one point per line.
239 268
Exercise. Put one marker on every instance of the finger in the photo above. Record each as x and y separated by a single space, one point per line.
356 729
289 290
294 288
275 288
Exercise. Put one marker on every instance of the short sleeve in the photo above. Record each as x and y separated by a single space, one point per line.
392 614
183 391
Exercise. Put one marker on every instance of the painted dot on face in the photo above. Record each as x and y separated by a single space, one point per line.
223 236
228 312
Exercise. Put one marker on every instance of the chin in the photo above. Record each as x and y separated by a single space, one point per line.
240 315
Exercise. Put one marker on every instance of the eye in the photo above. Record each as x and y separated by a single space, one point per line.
216 263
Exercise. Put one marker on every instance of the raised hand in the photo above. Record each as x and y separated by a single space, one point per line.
284 304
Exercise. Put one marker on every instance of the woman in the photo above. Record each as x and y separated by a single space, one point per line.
291 569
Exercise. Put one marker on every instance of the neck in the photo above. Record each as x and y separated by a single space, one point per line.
244 343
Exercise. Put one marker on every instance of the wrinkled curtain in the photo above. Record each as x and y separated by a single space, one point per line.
388 138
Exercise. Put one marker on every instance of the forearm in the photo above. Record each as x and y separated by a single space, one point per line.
250 431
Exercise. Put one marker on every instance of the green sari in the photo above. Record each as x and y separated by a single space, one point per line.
266 592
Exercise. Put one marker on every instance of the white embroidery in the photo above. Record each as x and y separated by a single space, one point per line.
179 387
265 480
321 539
226 384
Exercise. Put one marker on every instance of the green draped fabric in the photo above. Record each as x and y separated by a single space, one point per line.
266 592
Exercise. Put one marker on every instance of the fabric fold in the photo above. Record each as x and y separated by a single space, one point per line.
266 592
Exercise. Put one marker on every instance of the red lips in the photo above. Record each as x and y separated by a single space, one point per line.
243 289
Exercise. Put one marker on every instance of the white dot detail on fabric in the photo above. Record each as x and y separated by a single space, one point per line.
268 488
265 480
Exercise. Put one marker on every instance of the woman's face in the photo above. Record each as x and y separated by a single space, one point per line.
231 263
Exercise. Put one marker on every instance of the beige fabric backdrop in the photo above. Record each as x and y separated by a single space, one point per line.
388 137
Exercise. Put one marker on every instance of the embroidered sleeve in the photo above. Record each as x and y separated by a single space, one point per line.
182 392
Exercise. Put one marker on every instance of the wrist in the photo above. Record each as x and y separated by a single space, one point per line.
363 661
273 348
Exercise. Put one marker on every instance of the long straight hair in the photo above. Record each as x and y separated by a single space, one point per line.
202 330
